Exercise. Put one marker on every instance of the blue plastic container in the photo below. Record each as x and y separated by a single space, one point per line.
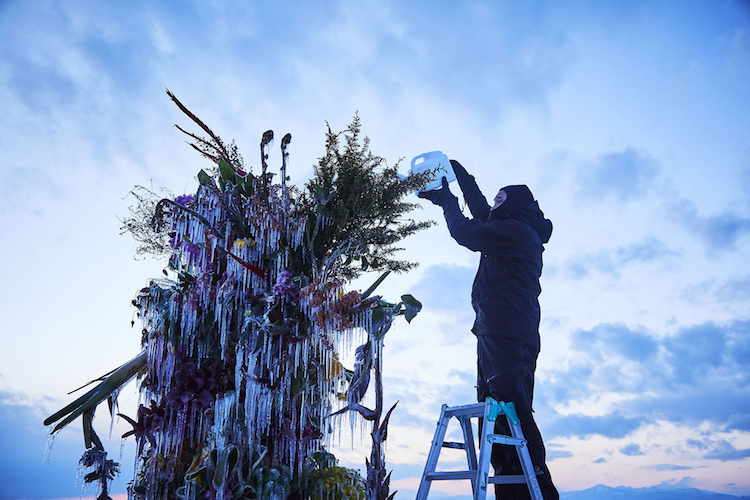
433 160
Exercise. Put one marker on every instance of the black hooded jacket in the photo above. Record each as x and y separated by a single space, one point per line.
506 288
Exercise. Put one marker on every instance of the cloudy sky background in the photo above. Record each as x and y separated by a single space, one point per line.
629 120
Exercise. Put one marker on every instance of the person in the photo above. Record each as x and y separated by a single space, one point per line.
510 235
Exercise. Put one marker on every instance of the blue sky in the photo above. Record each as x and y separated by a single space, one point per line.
628 120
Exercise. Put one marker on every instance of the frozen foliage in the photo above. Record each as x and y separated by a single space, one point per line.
240 372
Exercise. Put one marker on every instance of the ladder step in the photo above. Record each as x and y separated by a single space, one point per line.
473 410
455 446
451 475
509 479
471 474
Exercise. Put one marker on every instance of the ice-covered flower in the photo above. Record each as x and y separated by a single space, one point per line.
191 383
100 470
148 424
285 286
184 199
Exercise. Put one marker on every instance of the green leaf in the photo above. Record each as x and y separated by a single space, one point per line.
375 285
247 185
205 179
409 300
101 392
226 172
413 306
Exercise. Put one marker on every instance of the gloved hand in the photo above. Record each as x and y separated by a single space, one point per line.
438 196
459 169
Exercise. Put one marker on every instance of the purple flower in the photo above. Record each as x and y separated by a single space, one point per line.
193 383
184 199
148 423
284 286
192 249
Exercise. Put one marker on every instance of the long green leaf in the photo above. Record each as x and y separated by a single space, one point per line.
101 392
375 285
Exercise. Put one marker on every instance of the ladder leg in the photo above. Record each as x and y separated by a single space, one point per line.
485 453
528 467
432 457
471 452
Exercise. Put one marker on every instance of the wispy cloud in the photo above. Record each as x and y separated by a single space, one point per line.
612 426
614 261
624 175
724 451
669 467
719 233
616 339
736 289
446 288
631 450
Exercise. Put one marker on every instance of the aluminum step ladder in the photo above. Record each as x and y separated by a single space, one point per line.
478 470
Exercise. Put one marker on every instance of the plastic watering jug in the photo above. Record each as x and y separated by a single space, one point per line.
433 160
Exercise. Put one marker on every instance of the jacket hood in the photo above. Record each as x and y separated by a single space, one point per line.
520 205
518 197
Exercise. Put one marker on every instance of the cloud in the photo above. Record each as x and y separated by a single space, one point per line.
694 350
719 233
724 451
555 454
640 378
632 450
648 250
718 449
739 422
624 175
612 426
40 87
613 261
693 354
668 467
735 290
674 484
445 288
616 339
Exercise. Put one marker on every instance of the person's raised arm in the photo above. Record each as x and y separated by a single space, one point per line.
494 239
473 196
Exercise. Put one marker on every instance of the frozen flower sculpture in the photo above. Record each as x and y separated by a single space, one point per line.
240 373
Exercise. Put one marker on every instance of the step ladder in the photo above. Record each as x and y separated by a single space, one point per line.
478 470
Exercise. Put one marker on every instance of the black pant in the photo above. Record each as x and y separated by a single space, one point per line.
505 371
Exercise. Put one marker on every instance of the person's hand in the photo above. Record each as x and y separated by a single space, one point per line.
438 196
459 170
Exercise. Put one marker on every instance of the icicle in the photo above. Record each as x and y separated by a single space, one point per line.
113 396
79 472
222 418
48 447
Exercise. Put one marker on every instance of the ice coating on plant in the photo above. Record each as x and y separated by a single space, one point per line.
239 348
240 380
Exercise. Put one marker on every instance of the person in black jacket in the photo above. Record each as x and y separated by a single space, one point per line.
510 235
